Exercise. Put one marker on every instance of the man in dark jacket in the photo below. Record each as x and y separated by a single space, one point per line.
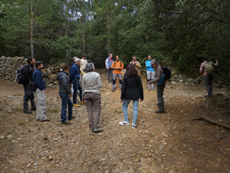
74 79
29 95
40 93
160 87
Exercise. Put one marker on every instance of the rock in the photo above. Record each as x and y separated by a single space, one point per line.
186 84
28 165
50 158
35 164
181 81
9 136
2 137
173 82
45 138
14 141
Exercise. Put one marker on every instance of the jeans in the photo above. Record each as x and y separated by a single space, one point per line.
135 110
29 95
208 83
76 86
66 100
110 75
160 92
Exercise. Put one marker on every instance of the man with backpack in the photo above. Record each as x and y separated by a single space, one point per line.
27 71
160 80
117 66
108 64
40 93
206 69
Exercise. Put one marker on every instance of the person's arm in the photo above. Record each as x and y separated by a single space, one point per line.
38 78
113 65
99 83
122 65
202 68
83 84
123 88
141 90
158 76
138 65
72 73
148 65
106 63
215 64
66 85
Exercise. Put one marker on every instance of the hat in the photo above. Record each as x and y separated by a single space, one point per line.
77 59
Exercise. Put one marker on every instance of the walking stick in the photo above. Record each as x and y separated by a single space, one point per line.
198 78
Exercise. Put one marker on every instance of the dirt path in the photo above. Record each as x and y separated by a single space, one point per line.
170 142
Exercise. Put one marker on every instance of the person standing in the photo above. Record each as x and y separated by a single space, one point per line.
79 88
136 63
74 79
117 66
40 93
206 69
132 89
150 73
108 64
159 75
65 94
29 94
83 64
91 83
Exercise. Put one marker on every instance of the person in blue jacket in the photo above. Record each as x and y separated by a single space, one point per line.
150 73
74 77
108 64
40 93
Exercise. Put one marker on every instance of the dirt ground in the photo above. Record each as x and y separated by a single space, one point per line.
169 143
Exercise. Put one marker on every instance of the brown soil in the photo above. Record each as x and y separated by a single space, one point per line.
170 142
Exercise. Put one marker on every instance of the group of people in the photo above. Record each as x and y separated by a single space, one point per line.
83 78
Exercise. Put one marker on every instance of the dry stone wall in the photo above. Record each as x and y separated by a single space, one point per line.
10 65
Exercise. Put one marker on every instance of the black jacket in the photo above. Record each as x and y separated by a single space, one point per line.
63 83
28 72
132 88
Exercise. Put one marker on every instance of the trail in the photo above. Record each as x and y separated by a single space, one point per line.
169 142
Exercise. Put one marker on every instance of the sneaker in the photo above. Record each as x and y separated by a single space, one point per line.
27 111
149 88
153 88
160 111
97 130
66 123
113 90
134 126
122 123
76 105
92 129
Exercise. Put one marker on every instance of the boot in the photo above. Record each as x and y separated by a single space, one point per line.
97 130
33 108
27 111
114 85
121 86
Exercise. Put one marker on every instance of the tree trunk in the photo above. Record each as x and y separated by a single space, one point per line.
108 32
32 29
83 31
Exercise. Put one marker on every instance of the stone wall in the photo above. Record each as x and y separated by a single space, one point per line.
10 65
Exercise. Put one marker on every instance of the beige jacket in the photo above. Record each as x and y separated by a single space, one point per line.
83 65
137 64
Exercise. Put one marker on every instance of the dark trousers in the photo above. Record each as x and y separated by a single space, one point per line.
110 75
76 87
66 101
28 95
208 83
93 106
160 92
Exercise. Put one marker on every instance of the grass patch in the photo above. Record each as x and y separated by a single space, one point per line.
54 110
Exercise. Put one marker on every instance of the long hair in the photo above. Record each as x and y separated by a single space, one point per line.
131 70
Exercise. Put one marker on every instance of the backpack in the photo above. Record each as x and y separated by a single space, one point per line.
20 77
208 67
167 72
